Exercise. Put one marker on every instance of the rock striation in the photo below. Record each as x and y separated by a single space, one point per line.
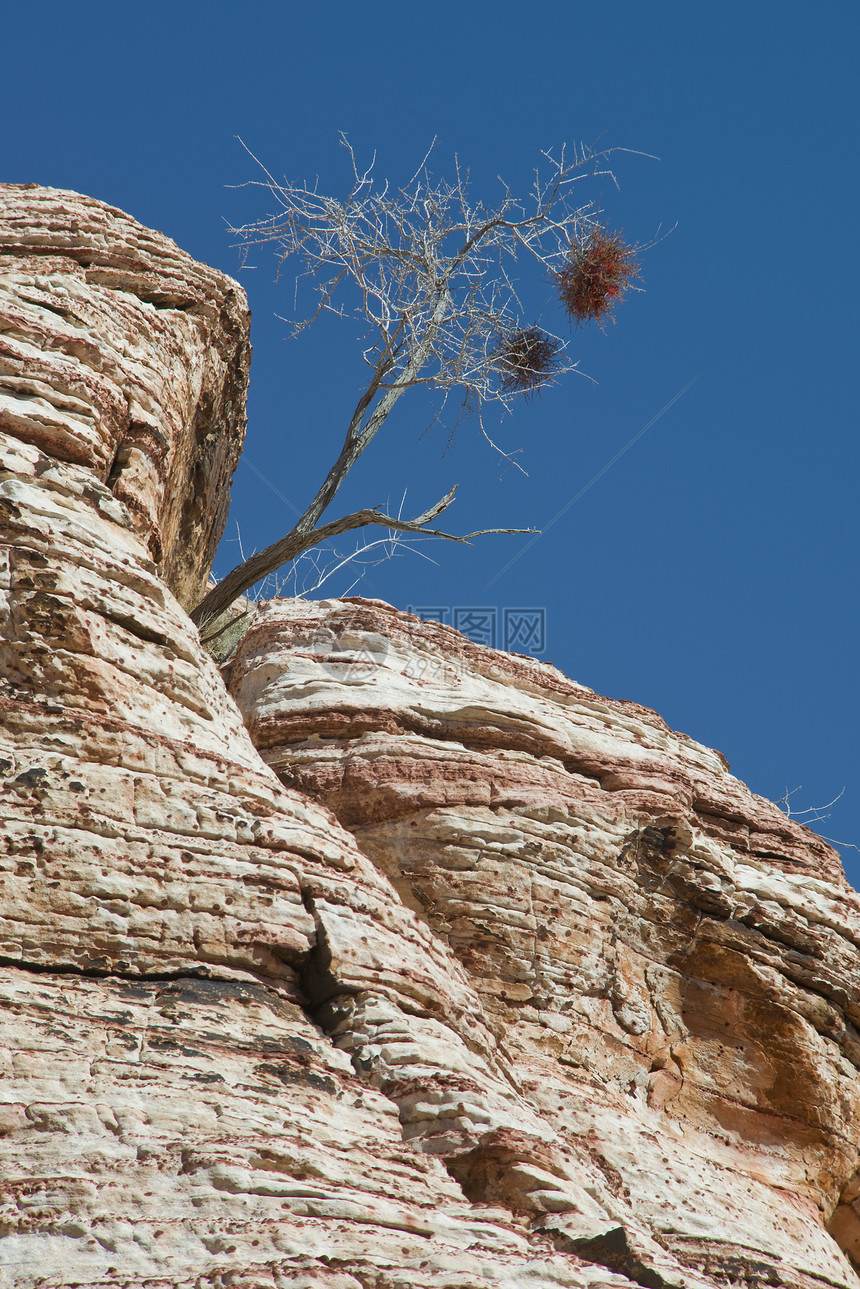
121 354
672 961
410 963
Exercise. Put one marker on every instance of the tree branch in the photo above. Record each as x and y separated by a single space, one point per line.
295 542
429 273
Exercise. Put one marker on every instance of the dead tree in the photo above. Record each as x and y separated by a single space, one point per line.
430 276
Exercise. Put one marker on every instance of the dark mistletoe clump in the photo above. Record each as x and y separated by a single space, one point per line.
595 274
526 359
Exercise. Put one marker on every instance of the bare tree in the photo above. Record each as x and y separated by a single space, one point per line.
430 276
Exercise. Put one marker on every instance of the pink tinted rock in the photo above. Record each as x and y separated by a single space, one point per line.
671 961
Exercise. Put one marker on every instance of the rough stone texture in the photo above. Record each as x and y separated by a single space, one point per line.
673 963
120 353
173 920
553 1002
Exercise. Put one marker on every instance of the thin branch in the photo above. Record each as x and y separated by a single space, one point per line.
265 562
431 275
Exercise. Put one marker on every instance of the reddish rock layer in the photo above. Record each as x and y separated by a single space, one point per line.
673 963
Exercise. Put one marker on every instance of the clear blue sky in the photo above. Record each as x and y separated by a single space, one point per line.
711 573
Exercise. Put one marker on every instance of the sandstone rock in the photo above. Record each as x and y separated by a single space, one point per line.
502 983
121 354
672 961
172 918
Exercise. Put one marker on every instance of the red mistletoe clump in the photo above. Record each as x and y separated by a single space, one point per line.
526 359
595 274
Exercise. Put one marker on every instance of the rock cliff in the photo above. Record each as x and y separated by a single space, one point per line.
376 958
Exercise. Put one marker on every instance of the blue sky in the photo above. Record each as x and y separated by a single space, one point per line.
711 573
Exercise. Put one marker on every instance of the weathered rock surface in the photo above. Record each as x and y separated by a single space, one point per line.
501 984
122 354
171 918
673 963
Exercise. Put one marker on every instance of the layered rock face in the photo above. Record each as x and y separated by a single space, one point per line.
482 980
122 355
671 961
171 917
